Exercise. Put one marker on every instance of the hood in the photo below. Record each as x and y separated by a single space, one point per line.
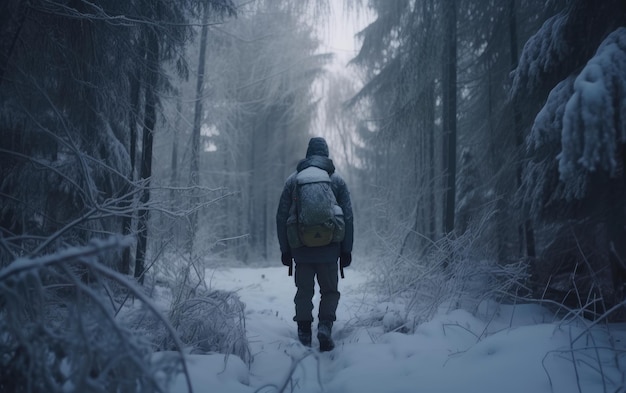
317 147
321 162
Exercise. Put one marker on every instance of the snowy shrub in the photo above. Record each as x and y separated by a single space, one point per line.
455 273
205 320
59 331
209 321
213 321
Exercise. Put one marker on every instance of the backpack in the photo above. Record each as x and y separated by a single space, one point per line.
317 219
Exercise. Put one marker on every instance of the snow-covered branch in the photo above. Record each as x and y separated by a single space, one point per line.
59 334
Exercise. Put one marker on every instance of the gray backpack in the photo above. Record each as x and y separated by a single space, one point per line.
317 219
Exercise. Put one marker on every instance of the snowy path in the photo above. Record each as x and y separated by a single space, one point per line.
524 352
268 294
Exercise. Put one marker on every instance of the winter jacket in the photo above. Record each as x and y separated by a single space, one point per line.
331 252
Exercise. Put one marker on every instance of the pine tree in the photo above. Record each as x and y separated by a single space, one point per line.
573 181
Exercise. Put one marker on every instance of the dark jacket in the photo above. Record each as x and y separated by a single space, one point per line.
331 252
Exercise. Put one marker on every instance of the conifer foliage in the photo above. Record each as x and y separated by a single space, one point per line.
539 124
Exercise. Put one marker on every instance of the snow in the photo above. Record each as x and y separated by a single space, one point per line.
502 348
214 373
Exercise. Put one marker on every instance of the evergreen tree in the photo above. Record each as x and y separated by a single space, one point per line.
70 90
573 182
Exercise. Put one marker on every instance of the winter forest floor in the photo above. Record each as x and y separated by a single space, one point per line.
521 348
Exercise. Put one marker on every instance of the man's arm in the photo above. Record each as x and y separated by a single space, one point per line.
284 206
343 199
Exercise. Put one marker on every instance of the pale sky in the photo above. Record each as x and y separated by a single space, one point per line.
338 35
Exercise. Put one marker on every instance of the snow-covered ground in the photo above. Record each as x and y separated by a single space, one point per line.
505 349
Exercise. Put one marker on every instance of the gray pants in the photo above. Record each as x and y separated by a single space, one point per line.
327 278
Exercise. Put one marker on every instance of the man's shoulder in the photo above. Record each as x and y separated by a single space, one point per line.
336 177
337 180
291 179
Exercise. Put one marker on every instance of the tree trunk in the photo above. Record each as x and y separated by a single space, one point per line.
174 163
152 75
194 175
449 115
615 217
430 127
12 20
127 222
527 235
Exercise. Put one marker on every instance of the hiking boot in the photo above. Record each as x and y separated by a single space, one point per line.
324 331
304 333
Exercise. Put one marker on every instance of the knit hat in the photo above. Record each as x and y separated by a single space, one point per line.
317 147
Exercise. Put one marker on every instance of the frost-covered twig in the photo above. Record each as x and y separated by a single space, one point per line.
601 318
574 360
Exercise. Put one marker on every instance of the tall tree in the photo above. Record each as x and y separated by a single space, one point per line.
449 114
404 69
68 96
486 118
571 181
177 31
152 78
63 141
194 167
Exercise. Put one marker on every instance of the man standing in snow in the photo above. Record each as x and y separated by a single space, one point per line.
320 261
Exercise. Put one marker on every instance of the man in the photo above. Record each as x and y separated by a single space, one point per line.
321 261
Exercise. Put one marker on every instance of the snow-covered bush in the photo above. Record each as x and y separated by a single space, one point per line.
59 331
455 273
205 320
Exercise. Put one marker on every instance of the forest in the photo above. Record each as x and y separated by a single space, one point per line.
145 142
